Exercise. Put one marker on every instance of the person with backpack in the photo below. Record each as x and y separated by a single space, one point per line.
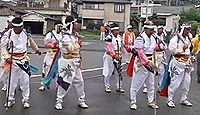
180 66
145 45
52 41
113 46
14 45
9 26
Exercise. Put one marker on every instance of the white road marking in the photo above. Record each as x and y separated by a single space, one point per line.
86 70
94 76
83 43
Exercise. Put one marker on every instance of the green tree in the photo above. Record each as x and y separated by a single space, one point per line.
191 16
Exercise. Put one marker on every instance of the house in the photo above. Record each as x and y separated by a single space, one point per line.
170 15
38 23
58 9
97 12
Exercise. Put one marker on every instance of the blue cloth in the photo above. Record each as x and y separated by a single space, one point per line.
166 77
53 72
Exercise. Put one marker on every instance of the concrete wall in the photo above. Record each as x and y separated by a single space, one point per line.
172 22
127 15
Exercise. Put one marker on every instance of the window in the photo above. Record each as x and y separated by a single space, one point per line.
119 8
91 6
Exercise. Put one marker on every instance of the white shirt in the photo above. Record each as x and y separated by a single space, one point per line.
20 41
115 40
178 44
53 36
147 44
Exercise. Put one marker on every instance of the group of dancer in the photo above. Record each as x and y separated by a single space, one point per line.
145 54
149 60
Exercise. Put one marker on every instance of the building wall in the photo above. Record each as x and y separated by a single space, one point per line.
172 23
127 15
54 3
6 12
93 14
107 13
110 15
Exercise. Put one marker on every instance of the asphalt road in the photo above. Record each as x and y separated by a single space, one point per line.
100 103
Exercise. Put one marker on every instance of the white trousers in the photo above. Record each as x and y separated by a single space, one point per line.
71 73
3 75
108 69
47 63
102 36
19 76
142 76
180 76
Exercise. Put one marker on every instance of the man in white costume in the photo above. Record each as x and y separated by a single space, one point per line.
69 66
51 41
180 66
160 54
145 44
113 46
15 42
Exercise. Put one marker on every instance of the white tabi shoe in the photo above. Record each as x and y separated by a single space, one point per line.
153 105
4 88
26 105
186 103
83 105
144 90
133 105
10 103
107 89
120 90
42 88
58 106
171 104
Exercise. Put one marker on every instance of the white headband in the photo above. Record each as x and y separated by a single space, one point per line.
160 27
183 28
115 28
17 25
186 26
150 26
129 26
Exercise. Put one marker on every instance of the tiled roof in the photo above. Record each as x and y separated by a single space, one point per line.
17 10
170 9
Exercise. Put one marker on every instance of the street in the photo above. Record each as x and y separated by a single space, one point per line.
100 103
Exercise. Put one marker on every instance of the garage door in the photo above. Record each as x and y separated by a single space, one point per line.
34 27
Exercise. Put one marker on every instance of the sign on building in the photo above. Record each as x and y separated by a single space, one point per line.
144 10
